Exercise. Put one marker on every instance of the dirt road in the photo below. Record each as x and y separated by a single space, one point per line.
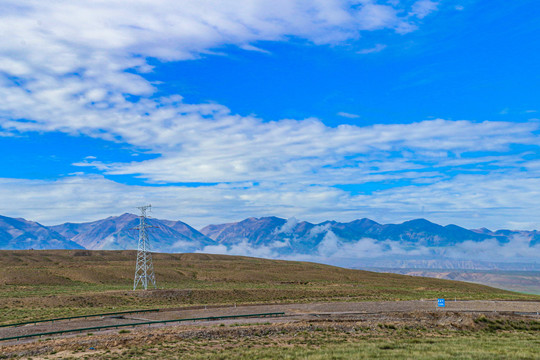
292 312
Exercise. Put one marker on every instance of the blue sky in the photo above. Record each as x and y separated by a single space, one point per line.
214 112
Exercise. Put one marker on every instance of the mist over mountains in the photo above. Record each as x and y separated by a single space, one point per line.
359 243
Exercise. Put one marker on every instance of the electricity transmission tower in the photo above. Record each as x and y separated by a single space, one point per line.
144 270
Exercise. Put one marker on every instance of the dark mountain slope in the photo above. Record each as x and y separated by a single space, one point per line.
24 234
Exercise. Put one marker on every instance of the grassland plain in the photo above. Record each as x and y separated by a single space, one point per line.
419 336
54 283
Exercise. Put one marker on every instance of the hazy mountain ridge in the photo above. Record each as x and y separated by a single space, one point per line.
256 231
361 242
447 264
527 281
119 233
415 232
18 234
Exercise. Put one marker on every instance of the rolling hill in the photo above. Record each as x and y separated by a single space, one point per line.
49 283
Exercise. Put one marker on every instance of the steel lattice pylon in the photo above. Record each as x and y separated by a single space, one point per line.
144 270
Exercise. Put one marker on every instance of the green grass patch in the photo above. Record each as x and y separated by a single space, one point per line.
332 344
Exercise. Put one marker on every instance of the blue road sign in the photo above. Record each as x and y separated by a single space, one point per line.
440 303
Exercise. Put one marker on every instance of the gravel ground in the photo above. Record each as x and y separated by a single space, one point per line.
292 311
356 307
203 336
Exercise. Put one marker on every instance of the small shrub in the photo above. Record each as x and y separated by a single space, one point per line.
481 319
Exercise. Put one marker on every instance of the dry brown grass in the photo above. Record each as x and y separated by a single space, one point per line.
401 336
37 284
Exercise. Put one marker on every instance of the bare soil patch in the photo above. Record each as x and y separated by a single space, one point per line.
231 333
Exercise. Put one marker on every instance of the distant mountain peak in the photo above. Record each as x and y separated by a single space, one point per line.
482 230
117 233
24 234
419 221
268 236
263 218
364 220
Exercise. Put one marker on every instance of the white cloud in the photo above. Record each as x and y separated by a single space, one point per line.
329 245
319 229
288 227
75 67
503 201
64 67
377 48
243 248
348 115
72 66
423 8
78 67
181 246
78 52
517 249
254 48
246 149
333 250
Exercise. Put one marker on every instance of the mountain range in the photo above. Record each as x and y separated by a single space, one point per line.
334 242
18 234
119 233
415 232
